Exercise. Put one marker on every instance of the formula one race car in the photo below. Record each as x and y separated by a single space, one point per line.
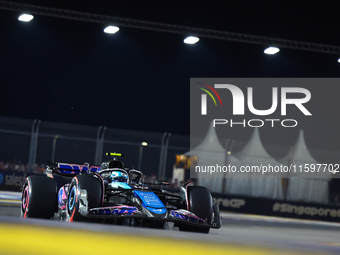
113 193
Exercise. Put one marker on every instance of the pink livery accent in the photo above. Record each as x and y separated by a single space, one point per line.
114 210
187 216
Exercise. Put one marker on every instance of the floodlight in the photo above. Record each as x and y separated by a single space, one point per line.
111 29
191 40
271 50
25 17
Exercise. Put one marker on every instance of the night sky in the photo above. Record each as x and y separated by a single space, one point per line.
70 71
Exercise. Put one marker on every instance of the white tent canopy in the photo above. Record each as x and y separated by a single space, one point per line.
306 186
268 185
236 183
286 159
301 187
300 155
210 152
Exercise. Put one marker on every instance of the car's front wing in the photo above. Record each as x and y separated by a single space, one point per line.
176 216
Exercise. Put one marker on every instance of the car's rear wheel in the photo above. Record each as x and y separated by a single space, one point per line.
201 204
94 191
39 197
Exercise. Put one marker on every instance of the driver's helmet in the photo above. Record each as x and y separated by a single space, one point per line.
111 164
118 176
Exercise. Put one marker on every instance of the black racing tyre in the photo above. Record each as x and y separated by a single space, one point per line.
61 180
39 197
201 204
94 190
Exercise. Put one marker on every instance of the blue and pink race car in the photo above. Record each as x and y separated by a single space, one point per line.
112 193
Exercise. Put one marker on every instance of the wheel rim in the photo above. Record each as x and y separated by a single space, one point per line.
72 198
25 199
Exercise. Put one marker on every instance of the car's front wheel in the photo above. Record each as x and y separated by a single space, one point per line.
93 189
199 202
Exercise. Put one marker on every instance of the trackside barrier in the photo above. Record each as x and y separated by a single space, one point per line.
279 208
12 180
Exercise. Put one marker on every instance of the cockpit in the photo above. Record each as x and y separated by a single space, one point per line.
114 171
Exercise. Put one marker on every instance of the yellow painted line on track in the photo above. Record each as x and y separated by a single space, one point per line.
4 204
28 239
10 202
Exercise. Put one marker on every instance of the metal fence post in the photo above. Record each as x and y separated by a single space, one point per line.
54 147
165 155
99 145
33 145
161 158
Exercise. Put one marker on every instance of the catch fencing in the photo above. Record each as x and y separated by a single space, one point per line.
34 142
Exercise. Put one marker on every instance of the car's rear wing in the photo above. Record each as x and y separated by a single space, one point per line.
69 169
